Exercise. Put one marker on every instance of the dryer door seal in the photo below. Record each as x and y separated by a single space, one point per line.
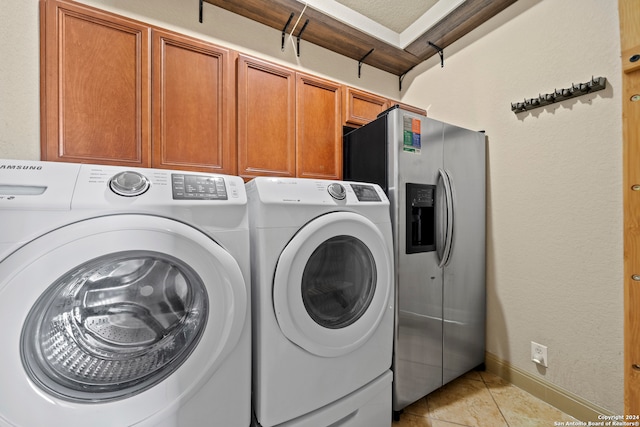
332 284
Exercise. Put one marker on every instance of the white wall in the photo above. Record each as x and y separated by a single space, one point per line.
555 256
554 184
19 81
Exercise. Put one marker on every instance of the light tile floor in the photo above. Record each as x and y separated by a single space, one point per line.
480 399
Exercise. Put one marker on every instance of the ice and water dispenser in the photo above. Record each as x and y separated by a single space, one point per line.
421 218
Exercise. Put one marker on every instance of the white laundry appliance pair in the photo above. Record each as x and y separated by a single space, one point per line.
323 303
124 297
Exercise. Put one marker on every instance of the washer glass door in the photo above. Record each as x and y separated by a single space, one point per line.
332 284
109 307
114 324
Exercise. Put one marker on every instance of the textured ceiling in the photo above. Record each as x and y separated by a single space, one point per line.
396 15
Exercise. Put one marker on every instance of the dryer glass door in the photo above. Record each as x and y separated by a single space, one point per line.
338 282
332 284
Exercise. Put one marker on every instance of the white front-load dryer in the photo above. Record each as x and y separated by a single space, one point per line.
323 295
124 297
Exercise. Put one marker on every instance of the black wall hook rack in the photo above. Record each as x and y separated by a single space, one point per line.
593 85
440 52
201 11
362 60
300 35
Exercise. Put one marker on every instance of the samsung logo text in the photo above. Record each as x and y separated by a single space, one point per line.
21 167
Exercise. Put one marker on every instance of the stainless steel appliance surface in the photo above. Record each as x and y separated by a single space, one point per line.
434 176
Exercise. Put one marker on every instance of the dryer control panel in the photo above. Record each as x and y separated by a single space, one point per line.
293 202
317 192
366 192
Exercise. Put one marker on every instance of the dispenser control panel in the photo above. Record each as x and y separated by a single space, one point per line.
422 196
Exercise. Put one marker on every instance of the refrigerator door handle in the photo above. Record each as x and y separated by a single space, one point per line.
444 218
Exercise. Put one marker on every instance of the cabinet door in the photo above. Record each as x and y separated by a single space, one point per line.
193 105
95 82
318 128
361 107
266 119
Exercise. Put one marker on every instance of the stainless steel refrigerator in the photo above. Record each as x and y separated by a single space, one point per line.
434 175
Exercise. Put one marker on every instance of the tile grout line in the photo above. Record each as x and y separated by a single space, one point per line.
494 401
428 417
431 418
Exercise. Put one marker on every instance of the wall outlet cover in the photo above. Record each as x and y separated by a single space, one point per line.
539 354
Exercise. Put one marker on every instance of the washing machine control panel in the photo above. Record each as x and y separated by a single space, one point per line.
198 187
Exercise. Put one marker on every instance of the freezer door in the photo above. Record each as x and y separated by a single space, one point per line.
464 306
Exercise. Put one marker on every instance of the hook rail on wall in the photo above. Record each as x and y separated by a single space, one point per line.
593 85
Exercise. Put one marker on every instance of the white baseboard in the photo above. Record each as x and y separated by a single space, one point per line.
565 401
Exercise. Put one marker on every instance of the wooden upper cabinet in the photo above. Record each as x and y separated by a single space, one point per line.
266 119
359 107
118 91
319 128
289 123
95 86
193 105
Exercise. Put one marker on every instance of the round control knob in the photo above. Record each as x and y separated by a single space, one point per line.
129 183
337 191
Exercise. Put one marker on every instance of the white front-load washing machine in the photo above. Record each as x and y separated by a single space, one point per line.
323 295
124 297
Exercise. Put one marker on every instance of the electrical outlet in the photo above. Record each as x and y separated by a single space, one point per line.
539 354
